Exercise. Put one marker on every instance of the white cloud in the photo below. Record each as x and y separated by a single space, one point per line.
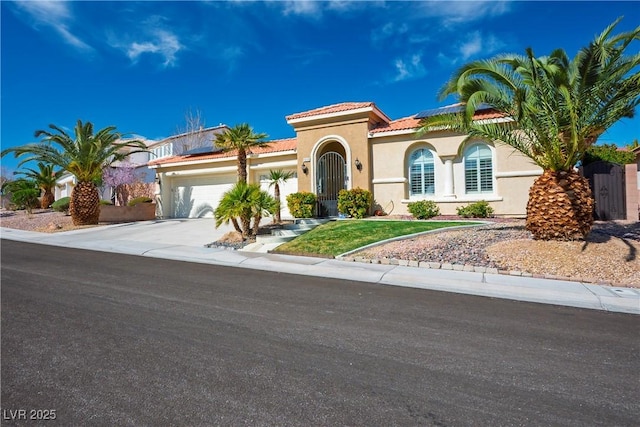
460 12
409 68
56 15
474 45
161 42
153 40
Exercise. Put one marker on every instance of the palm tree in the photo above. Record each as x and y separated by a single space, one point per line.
263 204
554 109
242 203
46 178
240 138
84 156
277 177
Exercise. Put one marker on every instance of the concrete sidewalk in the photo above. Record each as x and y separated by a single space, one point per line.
184 240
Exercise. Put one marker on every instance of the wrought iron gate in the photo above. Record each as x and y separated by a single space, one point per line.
331 178
608 187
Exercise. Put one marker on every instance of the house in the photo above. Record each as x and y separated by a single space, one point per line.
355 144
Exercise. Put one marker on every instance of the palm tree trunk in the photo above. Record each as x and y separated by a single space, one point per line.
236 226
47 199
85 204
276 192
560 206
256 224
242 166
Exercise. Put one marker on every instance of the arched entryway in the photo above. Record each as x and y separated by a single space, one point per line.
331 177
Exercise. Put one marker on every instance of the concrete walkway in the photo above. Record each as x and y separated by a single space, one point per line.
184 240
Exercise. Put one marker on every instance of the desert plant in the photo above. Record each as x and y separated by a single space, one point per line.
554 109
137 200
423 209
61 205
355 202
302 204
479 209
84 155
106 202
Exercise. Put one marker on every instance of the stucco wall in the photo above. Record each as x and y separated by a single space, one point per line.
514 174
352 134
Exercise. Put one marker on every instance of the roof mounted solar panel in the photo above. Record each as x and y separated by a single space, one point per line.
447 110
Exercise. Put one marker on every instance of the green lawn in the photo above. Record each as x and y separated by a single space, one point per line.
337 237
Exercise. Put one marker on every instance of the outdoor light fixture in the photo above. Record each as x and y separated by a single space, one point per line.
358 164
305 169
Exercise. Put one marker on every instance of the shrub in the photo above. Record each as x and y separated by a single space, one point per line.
61 205
105 202
355 202
137 200
479 209
302 204
423 209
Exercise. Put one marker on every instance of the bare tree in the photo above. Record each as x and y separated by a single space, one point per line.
191 135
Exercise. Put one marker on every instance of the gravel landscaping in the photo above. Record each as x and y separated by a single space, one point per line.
610 255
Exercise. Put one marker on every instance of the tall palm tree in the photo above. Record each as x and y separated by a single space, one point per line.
46 178
84 155
554 109
240 138
276 178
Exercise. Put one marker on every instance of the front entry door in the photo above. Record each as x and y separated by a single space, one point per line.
330 180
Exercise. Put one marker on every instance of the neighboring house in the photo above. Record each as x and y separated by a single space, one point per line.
352 145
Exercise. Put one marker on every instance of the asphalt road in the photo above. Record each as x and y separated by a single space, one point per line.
109 339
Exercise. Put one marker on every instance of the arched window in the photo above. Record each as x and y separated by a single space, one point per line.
421 173
478 169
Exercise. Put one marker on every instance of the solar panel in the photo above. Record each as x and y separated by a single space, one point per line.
447 110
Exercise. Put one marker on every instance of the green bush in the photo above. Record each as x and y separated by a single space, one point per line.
608 153
105 202
355 202
423 209
137 200
61 205
302 204
479 209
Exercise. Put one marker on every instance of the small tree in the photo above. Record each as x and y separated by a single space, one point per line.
192 135
23 193
117 178
277 177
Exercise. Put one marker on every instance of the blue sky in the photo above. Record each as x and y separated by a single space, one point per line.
142 65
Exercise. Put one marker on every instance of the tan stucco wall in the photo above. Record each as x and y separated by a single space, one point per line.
514 172
353 134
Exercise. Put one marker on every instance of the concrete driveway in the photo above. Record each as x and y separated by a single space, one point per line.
177 231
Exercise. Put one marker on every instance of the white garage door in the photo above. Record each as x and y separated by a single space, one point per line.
198 197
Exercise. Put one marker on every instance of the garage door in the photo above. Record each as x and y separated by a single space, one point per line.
199 197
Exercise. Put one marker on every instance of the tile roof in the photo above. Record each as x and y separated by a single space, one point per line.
274 146
412 122
335 108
